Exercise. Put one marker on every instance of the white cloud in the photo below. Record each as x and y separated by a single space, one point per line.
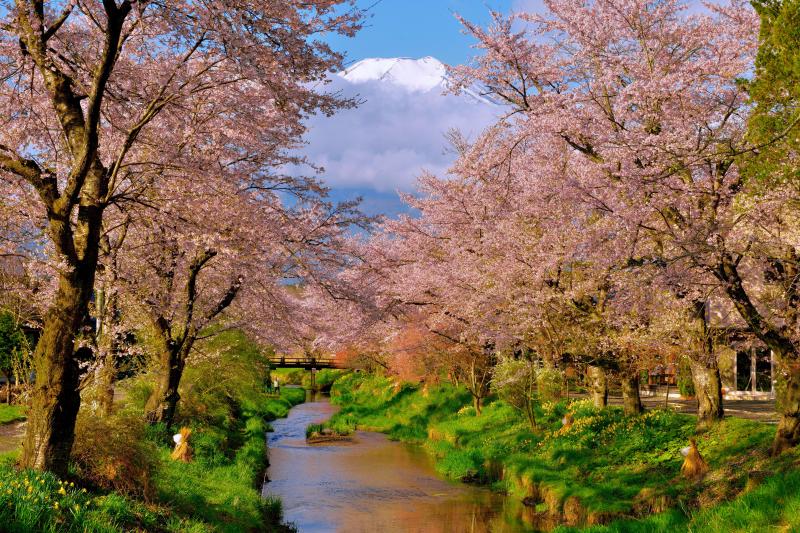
393 136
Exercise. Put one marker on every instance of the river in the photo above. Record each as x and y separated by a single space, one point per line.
374 485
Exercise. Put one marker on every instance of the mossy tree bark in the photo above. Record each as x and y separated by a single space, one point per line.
705 368
598 386
163 402
708 389
107 336
785 272
74 219
788 401
631 399
56 397
8 387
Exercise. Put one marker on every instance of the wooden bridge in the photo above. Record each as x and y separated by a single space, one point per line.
307 363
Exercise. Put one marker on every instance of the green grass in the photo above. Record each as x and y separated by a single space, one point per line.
11 413
772 506
40 502
605 467
219 491
221 486
338 429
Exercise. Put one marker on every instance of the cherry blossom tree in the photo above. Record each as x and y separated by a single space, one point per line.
99 98
641 104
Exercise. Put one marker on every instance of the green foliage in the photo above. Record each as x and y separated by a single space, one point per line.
775 90
289 376
112 453
341 427
514 380
12 342
323 380
549 382
124 463
137 390
772 506
314 428
684 379
40 502
605 459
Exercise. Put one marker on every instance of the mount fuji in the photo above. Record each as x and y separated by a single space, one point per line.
414 75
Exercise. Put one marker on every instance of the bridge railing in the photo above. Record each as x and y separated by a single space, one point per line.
322 362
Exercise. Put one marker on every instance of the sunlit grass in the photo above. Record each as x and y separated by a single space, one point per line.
11 413
218 491
614 465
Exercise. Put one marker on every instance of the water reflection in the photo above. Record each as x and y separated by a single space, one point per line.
375 484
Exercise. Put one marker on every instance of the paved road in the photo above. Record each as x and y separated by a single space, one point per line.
761 410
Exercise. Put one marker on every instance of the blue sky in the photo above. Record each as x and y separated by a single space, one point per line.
418 28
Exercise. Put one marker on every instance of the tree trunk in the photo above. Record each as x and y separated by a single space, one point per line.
783 350
107 347
788 403
163 402
705 369
530 412
105 384
631 401
708 389
598 385
476 402
56 398
8 387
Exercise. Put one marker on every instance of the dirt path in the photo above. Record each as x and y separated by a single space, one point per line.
760 410
11 436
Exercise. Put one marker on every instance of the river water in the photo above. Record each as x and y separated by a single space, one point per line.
374 485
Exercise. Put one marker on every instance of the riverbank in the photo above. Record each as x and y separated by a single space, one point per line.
372 483
607 472
123 479
218 491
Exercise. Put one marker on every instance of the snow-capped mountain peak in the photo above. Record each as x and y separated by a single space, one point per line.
420 75
413 75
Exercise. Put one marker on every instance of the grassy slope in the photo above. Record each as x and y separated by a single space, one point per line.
218 491
222 485
11 413
605 467
297 376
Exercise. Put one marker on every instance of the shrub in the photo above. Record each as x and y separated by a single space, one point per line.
138 390
112 453
548 383
515 381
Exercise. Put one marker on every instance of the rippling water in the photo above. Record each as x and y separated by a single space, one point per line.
374 485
